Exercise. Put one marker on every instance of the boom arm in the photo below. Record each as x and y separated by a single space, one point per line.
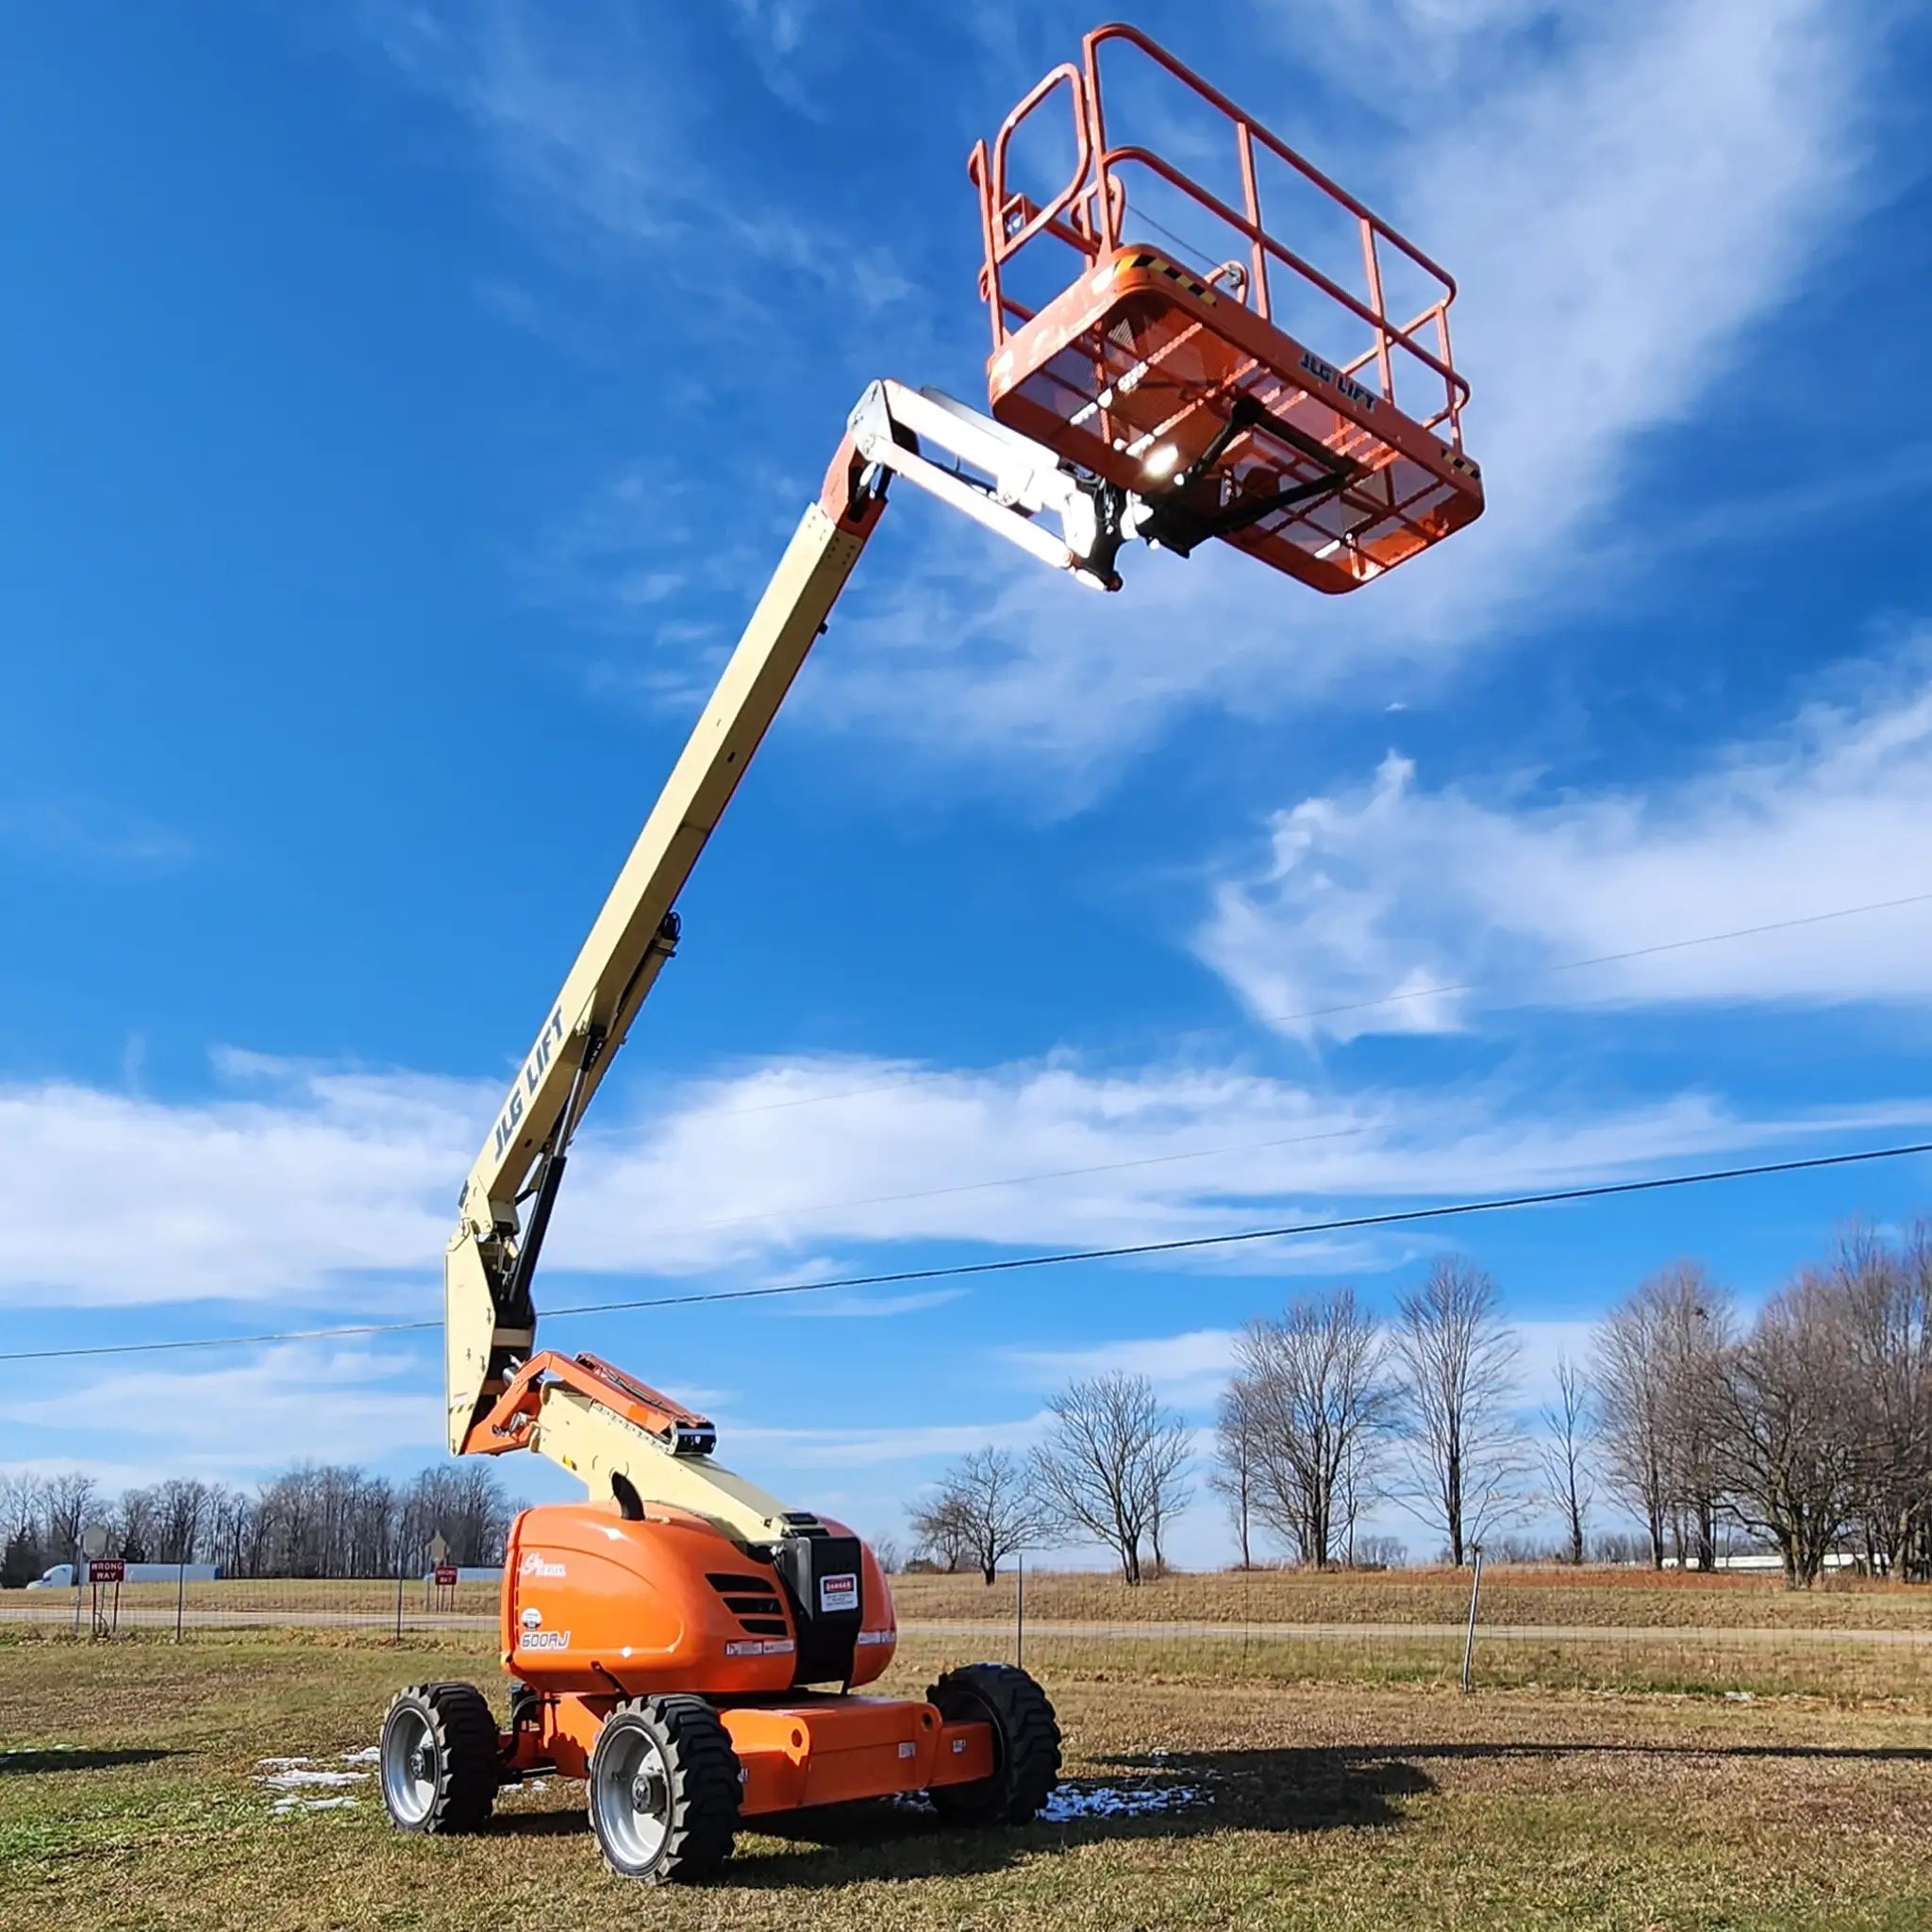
582 1413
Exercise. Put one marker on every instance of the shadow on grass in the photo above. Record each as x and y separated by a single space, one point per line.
29 1763
1290 1791
1820 1754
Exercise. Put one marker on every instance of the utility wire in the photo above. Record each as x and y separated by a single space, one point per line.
1013 1264
1399 997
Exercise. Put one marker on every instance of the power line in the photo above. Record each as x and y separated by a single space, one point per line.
1013 1264
1401 996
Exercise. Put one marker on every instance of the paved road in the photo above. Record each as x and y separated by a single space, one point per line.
993 1631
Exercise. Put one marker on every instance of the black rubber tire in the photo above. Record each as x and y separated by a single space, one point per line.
456 1724
1026 1744
705 1788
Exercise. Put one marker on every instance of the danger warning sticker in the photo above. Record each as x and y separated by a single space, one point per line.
839 1592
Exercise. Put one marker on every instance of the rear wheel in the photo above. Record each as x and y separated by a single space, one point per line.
664 1789
437 1758
1025 1744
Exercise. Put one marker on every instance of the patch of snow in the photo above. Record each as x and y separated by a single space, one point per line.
368 1754
285 1808
1109 1801
293 1778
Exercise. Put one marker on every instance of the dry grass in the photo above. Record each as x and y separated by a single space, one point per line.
1637 1599
127 1799
1606 1598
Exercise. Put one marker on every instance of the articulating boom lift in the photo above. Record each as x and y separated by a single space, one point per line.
667 1636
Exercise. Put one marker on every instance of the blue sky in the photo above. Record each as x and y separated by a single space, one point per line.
408 405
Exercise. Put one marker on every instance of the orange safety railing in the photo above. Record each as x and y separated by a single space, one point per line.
1092 211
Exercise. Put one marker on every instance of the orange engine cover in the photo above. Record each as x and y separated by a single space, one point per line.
594 1603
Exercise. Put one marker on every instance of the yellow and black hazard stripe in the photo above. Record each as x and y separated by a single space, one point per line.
1178 275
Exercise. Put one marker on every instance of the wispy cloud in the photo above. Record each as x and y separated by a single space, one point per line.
593 120
867 1448
1609 276
1397 887
302 1186
230 1417
90 837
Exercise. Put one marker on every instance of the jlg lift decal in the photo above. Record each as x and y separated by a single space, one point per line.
1364 399
541 1056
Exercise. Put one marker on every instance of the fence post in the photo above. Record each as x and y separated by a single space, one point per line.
1020 1614
180 1597
1476 1585
402 1570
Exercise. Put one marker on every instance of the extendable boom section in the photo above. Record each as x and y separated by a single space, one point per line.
500 1394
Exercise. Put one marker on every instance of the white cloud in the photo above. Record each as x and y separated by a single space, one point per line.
1620 191
592 121
90 836
868 1448
1188 1369
1397 887
231 1416
859 1308
337 1189
117 1199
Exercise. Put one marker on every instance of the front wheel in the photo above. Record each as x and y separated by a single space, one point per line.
437 1758
664 1789
1025 1744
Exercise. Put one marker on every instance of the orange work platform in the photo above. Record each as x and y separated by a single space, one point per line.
1155 332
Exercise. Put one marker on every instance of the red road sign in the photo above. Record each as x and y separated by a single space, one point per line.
446 1577
106 1570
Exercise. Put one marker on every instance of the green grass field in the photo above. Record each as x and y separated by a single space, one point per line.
130 1796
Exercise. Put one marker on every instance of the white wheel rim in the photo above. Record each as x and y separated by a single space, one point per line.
409 1766
630 1787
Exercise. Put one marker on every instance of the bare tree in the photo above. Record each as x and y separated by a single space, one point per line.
1633 1389
181 1511
1698 1331
944 1533
22 1557
1568 1429
987 1497
1786 1448
1886 1295
137 1518
1235 1470
1168 1491
67 1503
1112 1464
1313 1385
1660 1358
1455 1359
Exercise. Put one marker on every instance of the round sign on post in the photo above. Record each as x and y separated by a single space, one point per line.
93 1540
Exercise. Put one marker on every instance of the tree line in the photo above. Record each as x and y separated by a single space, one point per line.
1805 1430
316 1519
